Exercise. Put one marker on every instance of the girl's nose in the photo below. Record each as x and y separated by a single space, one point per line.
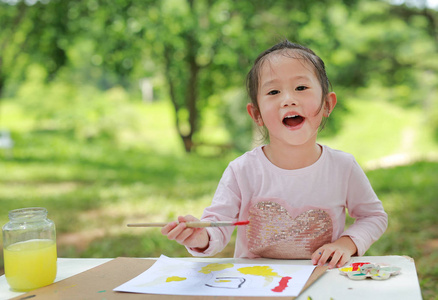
288 100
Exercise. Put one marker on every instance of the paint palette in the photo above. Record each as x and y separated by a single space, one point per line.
363 270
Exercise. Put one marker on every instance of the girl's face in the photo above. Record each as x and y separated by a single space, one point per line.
289 99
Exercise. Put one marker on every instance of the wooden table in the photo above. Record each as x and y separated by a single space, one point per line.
331 285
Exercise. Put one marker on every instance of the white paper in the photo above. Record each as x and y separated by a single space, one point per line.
171 276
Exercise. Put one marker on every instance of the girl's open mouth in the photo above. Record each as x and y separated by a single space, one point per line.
293 120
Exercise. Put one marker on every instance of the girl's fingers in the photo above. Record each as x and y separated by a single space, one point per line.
316 256
190 237
172 225
167 228
335 258
344 260
176 231
187 218
191 240
336 254
325 255
184 235
322 260
183 219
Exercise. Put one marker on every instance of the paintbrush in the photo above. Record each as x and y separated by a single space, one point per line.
193 224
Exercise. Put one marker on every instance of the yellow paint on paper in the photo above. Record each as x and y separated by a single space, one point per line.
175 278
215 267
258 271
223 280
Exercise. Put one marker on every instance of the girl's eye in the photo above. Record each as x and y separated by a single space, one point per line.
301 88
273 92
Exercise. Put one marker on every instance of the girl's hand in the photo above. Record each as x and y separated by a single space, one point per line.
190 237
339 251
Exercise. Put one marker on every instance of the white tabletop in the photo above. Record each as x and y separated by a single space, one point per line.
331 285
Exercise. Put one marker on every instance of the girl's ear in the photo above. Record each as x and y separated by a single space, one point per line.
330 103
254 113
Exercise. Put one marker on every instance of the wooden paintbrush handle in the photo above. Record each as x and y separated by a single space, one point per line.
148 225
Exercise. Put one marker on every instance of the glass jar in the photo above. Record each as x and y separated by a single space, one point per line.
29 249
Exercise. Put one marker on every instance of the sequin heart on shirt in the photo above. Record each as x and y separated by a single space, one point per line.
273 233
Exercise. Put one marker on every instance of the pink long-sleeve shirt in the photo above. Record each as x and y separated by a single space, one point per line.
293 212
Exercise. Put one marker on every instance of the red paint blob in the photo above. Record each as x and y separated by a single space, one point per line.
281 285
357 265
241 223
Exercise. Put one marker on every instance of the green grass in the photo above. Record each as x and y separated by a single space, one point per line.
410 196
92 189
373 130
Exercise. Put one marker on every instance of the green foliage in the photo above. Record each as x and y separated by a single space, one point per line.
198 51
30 34
374 130
87 113
238 124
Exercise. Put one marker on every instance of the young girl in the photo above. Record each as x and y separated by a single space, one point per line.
293 190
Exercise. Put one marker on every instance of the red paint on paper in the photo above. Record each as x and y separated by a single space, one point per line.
282 284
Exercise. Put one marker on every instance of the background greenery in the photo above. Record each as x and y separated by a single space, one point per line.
97 155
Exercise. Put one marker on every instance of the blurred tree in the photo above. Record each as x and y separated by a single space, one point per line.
203 48
32 31
197 46
426 62
389 53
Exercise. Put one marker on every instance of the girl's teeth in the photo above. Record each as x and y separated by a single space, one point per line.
293 120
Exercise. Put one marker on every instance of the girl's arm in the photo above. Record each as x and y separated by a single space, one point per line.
370 222
365 207
225 206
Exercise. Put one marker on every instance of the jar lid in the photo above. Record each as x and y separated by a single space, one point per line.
28 213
